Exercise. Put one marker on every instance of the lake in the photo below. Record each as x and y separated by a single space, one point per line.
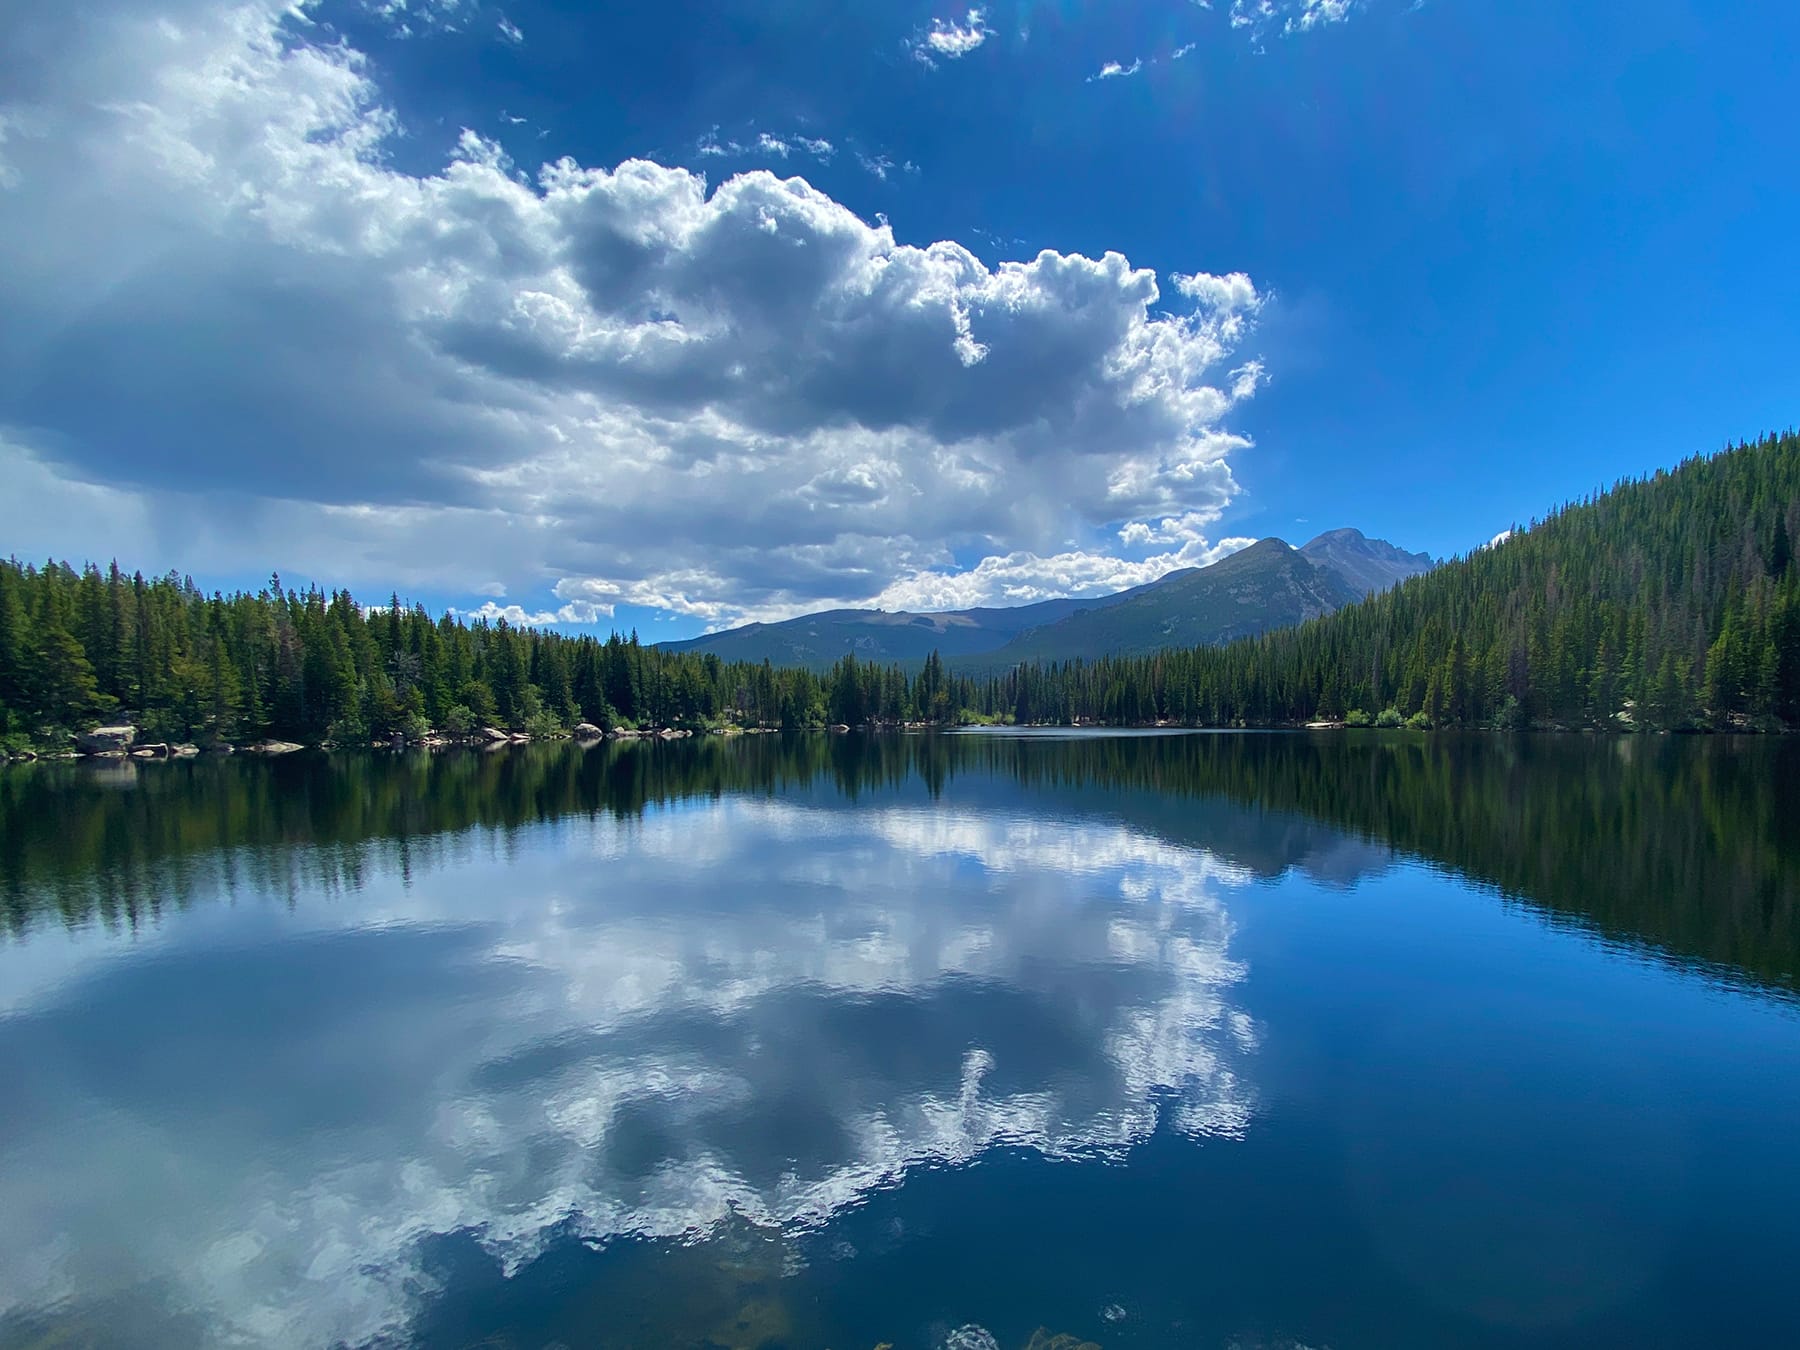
947 1040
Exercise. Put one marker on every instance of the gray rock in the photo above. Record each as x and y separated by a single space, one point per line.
107 738
587 731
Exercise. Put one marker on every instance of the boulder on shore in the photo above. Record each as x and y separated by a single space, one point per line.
273 748
493 735
587 731
107 738
183 751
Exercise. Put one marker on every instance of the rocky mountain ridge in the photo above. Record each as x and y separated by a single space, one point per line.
1268 585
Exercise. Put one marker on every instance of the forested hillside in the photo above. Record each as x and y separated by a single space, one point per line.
1266 586
817 640
79 647
1669 602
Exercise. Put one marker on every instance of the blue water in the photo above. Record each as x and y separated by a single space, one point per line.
943 1051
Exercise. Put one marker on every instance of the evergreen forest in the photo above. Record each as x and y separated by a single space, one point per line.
1670 602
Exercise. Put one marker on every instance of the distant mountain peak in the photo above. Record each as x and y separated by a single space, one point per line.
1348 533
1365 564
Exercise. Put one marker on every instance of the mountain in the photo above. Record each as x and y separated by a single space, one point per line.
818 640
1268 586
1365 564
1671 602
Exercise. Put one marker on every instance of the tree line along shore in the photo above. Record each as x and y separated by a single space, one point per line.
1668 603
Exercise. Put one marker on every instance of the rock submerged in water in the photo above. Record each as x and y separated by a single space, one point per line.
273 748
104 739
971 1337
976 1337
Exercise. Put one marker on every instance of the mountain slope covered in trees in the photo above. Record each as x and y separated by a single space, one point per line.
1268 585
1669 602
1189 605
817 640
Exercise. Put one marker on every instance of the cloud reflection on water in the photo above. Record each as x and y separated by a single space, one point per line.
751 1005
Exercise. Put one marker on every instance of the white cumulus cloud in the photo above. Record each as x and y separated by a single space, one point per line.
608 384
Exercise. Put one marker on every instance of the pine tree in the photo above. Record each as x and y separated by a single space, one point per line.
62 690
15 644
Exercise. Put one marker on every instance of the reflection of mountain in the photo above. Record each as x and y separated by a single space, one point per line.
764 1007
1264 844
1677 843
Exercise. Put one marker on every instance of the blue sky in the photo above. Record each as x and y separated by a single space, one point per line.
291 290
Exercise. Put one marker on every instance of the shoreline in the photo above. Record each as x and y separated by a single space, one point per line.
490 739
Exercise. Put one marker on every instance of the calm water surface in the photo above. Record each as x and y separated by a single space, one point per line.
1184 1040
